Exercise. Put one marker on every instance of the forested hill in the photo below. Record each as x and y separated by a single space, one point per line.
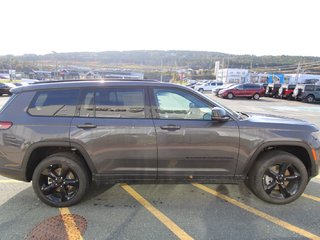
183 59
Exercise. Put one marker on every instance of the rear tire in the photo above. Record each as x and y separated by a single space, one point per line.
309 99
61 180
256 96
201 90
278 177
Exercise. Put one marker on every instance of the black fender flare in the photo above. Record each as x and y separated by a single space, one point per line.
57 144
259 150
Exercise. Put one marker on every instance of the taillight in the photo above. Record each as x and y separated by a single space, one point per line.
5 125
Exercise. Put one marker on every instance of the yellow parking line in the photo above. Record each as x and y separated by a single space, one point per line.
159 215
73 232
317 199
259 213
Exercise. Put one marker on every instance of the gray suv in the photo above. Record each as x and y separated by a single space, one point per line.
307 92
64 135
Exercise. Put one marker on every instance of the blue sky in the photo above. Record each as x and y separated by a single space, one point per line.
269 27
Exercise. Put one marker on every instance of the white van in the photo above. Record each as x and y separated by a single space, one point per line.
209 86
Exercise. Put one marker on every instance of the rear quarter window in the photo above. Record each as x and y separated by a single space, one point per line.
309 88
7 103
54 103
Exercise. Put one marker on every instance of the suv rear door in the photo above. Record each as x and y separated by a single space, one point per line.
115 127
190 143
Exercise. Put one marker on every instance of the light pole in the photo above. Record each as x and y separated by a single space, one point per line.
161 70
56 73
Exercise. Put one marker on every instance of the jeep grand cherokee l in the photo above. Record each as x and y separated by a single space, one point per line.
63 135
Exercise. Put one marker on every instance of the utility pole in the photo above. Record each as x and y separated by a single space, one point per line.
298 72
56 72
161 70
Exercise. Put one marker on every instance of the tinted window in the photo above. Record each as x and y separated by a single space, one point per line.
318 89
120 103
219 83
240 87
176 104
54 103
248 86
309 88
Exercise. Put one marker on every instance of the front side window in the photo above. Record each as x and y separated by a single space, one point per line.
239 87
177 104
54 103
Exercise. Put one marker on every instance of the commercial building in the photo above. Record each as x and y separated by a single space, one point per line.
232 75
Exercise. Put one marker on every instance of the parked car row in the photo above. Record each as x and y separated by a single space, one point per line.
250 90
302 92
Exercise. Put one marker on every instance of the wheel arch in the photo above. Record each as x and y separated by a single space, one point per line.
298 149
38 151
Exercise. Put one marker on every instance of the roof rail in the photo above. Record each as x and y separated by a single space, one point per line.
100 79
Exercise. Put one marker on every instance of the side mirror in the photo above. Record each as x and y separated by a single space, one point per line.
219 114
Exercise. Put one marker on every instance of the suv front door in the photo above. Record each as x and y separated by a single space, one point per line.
115 127
190 143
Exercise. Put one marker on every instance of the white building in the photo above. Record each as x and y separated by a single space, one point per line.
232 75
301 78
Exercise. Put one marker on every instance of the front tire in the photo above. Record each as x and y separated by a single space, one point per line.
230 96
61 180
278 177
201 90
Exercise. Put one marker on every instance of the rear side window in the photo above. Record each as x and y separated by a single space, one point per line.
113 103
309 88
119 103
54 103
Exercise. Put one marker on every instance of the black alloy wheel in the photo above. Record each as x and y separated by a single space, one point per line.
58 183
278 177
61 180
281 181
